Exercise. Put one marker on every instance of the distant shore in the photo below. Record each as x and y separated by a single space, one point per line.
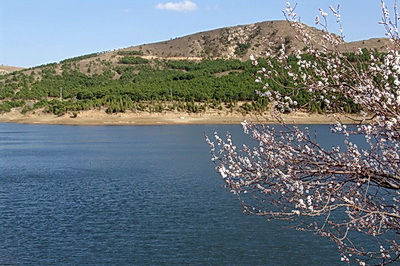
96 117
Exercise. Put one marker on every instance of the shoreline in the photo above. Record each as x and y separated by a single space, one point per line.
96 118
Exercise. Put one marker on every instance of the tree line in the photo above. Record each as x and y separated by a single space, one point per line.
136 82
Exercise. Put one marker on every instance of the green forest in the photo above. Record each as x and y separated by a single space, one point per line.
138 84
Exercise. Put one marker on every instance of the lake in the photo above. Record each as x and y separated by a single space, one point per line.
132 195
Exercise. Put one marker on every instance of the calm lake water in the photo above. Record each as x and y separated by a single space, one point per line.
132 195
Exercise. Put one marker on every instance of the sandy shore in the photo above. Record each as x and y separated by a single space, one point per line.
170 118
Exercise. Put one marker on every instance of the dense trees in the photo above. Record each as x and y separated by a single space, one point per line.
137 80
130 52
133 60
78 58
208 83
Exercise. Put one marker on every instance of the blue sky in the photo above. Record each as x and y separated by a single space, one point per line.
35 32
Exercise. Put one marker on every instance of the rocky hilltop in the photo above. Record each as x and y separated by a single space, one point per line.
237 42
240 41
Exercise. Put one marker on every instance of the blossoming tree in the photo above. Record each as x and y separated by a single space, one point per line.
349 194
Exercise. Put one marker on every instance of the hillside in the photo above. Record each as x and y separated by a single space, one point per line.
241 41
194 74
8 69
237 42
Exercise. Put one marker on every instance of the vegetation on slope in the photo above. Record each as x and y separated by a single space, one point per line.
138 84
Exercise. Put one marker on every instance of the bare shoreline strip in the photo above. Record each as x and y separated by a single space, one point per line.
95 117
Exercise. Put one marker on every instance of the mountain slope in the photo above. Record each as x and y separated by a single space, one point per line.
216 74
237 42
8 69
241 41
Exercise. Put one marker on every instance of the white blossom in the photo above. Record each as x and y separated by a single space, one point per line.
292 177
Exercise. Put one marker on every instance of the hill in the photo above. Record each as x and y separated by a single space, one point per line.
237 42
240 41
8 69
193 74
